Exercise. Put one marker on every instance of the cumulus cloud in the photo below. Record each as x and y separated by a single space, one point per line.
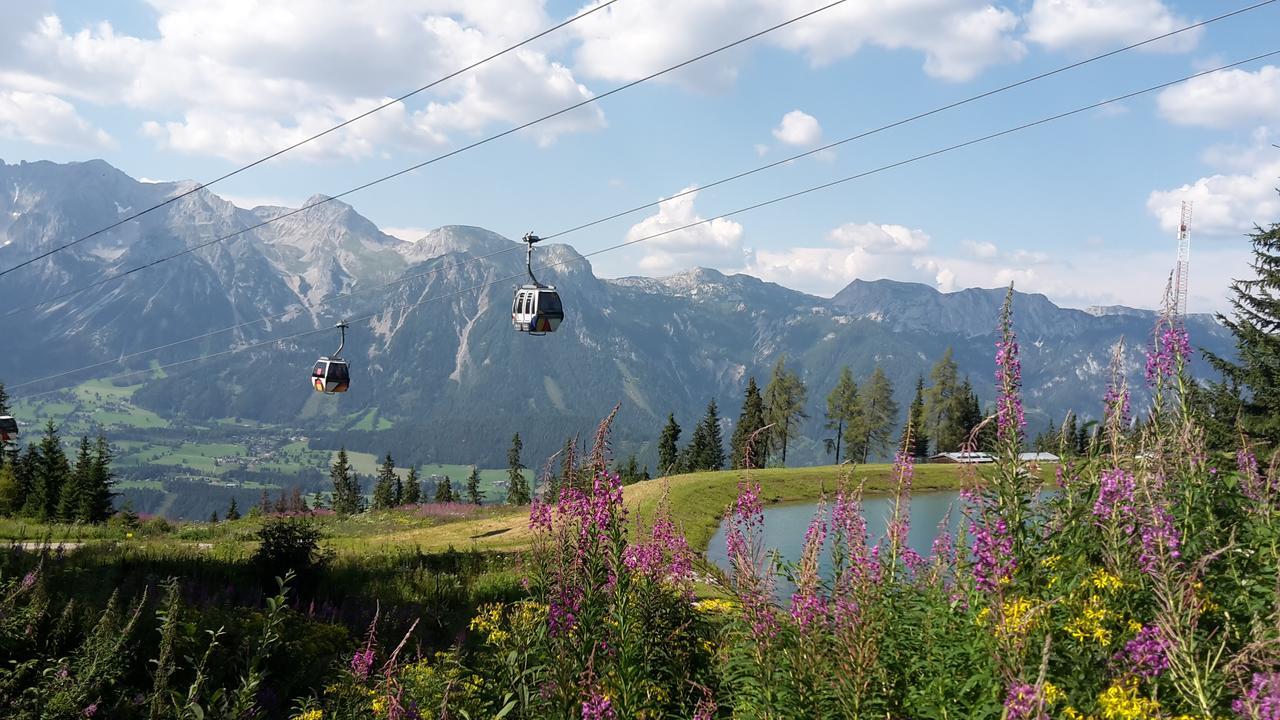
880 239
1093 24
798 128
1226 204
669 249
981 249
1230 98
241 78
47 120
958 38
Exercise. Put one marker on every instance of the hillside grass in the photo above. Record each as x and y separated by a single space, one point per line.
698 503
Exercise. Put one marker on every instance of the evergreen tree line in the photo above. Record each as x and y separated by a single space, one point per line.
391 491
42 484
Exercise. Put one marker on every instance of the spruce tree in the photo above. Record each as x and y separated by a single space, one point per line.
1254 378
916 423
695 453
750 420
98 496
444 491
879 415
384 492
346 495
73 502
784 399
475 495
712 454
233 510
10 499
317 500
412 488
969 416
942 405
1068 435
668 447
213 518
50 472
4 410
517 486
842 409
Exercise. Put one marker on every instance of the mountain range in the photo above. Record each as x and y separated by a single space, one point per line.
436 357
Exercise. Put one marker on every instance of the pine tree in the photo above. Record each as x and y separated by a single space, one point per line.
50 472
711 456
412 488
842 409
384 492
98 496
317 500
1068 435
1254 378
346 494
668 447
696 451
917 423
784 399
23 475
475 495
969 416
213 518
750 420
4 410
233 510
517 486
10 499
879 415
444 492
942 405
72 505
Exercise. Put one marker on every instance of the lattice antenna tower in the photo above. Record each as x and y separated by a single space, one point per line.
1183 268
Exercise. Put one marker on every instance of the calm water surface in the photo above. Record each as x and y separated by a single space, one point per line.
784 528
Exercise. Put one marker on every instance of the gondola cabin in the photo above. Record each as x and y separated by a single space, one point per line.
8 429
331 376
536 309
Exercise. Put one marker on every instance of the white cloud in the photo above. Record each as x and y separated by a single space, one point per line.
714 244
1226 204
47 120
981 249
880 239
1230 98
761 150
1094 24
959 38
798 128
239 78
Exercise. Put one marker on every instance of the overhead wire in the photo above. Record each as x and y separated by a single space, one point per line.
425 163
312 138
688 226
293 309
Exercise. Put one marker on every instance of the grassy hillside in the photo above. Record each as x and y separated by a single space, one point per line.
698 502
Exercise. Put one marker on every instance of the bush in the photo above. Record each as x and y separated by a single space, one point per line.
289 544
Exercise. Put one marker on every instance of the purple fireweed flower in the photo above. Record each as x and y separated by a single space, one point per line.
1115 403
1170 350
597 707
900 524
1262 700
362 663
664 556
1023 703
540 516
1254 484
90 710
1160 537
28 581
706 708
993 561
750 578
1146 655
808 606
1010 420
1116 488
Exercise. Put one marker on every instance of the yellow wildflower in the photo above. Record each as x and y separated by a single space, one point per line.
1135 627
310 715
1052 693
1090 623
1104 580
1073 714
379 706
1018 617
714 605
1121 701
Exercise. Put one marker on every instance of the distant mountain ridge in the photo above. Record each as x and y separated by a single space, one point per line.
449 372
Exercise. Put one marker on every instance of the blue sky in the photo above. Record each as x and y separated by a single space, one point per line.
1082 209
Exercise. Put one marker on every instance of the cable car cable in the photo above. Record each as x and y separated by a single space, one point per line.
342 296
431 161
748 208
317 136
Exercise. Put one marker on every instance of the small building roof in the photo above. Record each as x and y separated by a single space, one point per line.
963 457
